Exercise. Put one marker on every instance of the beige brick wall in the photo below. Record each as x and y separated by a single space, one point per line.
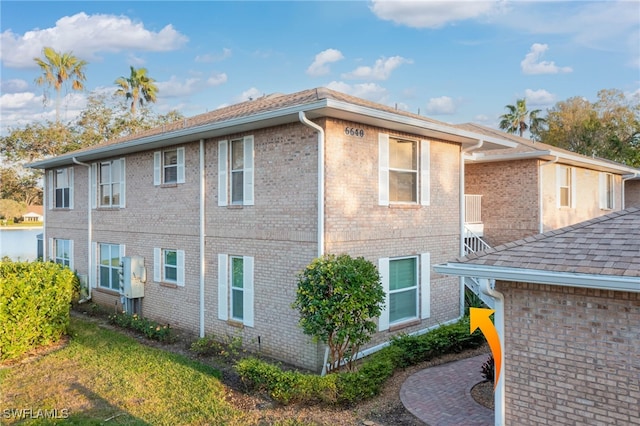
510 202
572 355
279 231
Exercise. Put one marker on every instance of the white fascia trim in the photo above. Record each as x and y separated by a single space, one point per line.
569 279
486 157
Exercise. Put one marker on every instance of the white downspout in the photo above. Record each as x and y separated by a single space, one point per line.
462 214
540 197
304 120
89 230
499 394
202 235
624 180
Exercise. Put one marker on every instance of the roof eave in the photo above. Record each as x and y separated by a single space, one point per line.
535 276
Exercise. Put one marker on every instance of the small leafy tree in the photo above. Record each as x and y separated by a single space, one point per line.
338 297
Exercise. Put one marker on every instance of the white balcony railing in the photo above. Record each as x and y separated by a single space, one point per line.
472 208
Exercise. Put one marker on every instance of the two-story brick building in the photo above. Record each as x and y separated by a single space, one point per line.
221 211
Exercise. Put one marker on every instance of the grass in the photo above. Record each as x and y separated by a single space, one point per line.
104 376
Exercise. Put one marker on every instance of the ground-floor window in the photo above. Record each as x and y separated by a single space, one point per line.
110 266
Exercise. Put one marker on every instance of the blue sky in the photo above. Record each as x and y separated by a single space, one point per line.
454 61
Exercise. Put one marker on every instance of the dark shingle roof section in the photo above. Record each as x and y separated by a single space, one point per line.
606 245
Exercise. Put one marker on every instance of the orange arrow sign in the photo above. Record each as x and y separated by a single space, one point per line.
480 319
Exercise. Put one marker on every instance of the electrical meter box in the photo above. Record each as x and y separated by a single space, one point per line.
134 275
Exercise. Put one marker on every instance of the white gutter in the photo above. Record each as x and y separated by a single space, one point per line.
202 235
90 265
462 214
540 197
304 120
624 180
498 320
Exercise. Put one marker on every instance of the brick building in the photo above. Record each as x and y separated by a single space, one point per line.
219 213
568 310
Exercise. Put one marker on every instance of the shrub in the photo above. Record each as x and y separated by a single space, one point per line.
230 347
151 329
338 297
35 300
352 386
488 369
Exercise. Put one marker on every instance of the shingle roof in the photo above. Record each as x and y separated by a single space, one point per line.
606 245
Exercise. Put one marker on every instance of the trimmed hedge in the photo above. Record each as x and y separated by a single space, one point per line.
345 388
35 299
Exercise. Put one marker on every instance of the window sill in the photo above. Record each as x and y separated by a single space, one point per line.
405 206
169 185
405 324
107 291
235 323
235 206
108 208
61 209
168 285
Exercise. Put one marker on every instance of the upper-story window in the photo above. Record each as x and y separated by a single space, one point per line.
61 188
607 200
168 166
235 172
110 187
566 186
403 171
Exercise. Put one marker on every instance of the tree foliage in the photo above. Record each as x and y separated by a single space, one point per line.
58 68
518 119
138 87
11 209
338 297
608 128
20 187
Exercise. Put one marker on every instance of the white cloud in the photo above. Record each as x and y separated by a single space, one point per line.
319 66
370 91
433 14
19 109
209 57
86 35
13 86
443 105
247 95
380 71
217 79
532 64
176 87
539 97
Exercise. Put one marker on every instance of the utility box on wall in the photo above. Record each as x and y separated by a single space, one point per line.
134 275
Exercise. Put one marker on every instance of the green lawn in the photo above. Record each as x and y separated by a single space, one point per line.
104 377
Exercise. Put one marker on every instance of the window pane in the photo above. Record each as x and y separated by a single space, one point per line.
403 305
62 180
105 173
104 276
105 195
115 171
171 174
59 198
170 157
403 186
402 274
115 194
403 154
105 254
170 273
65 197
115 256
564 197
237 154
115 279
236 272
237 181
237 304
170 257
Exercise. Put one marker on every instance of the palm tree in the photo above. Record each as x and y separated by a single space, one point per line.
139 87
519 119
57 68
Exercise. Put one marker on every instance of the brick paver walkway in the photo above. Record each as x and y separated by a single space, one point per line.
441 395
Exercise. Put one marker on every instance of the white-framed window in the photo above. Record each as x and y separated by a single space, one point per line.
108 183
168 266
607 185
61 188
566 187
110 266
404 169
235 172
168 166
235 288
61 251
407 285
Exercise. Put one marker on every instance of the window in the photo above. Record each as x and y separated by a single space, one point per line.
403 171
406 283
168 166
110 269
235 172
110 176
168 266
61 251
61 188
607 200
235 288
566 186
